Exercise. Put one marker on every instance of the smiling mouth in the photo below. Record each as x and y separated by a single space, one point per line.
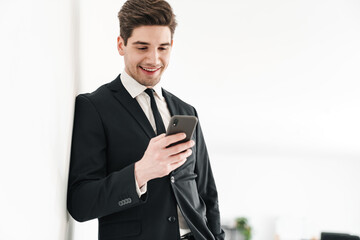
150 69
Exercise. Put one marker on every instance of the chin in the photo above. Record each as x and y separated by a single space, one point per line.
148 82
151 81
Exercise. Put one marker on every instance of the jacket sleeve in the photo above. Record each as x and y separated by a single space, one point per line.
92 192
206 185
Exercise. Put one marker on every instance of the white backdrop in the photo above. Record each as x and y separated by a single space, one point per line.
36 101
276 84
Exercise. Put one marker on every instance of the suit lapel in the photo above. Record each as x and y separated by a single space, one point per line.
172 105
131 105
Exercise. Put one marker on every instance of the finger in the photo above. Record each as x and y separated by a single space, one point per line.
179 157
159 137
178 148
175 165
168 140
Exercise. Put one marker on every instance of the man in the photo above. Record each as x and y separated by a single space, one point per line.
121 170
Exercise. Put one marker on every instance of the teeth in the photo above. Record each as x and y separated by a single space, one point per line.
150 70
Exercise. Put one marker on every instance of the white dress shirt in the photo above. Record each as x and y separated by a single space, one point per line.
136 90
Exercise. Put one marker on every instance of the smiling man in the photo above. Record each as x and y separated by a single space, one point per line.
147 53
122 170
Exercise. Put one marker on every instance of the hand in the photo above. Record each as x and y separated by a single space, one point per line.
158 160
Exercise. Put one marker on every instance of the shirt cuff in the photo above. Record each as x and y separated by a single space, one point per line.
142 190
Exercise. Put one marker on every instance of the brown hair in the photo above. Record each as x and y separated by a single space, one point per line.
136 13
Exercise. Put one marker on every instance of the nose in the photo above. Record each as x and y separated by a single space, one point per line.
153 57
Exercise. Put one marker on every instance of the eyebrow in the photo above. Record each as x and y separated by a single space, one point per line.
146 43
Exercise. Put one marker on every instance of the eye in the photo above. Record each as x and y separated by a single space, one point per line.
163 48
142 48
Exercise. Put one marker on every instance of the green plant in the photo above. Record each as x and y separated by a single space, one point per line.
243 227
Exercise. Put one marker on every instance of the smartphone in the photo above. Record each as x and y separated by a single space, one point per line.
182 123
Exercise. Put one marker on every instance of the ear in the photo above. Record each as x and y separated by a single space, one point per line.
172 42
121 45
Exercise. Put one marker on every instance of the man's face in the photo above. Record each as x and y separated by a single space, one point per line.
147 53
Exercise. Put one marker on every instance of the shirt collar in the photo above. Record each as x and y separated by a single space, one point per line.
135 88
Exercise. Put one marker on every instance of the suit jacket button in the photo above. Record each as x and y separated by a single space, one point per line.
172 179
172 219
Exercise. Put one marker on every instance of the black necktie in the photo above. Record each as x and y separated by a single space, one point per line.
160 128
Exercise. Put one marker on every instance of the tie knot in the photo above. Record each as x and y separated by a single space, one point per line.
160 128
150 92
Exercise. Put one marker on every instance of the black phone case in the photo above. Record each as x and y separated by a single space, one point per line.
182 123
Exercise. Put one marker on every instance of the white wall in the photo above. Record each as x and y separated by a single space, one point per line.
282 75
36 102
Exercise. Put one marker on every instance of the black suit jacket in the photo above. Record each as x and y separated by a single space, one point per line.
111 133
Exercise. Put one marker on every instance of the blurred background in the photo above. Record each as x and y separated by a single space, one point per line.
276 85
